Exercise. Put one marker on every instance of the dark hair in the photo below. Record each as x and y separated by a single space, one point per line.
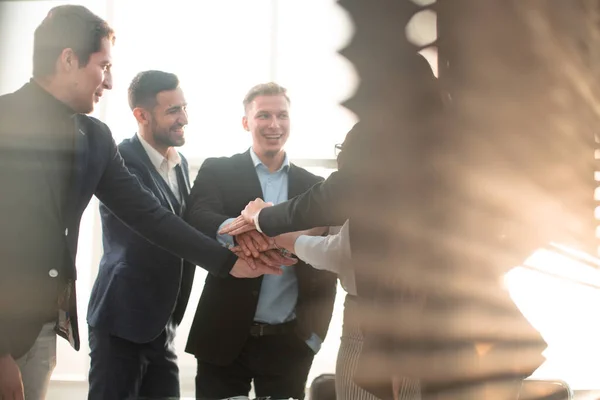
68 27
264 89
147 84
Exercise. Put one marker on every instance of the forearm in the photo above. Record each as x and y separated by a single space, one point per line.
123 194
330 253
322 205
287 241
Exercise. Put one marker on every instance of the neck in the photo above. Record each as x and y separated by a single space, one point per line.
58 91
271 160
149 138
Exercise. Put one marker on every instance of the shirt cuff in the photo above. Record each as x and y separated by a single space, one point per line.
314 342
256 224
225 239
301 246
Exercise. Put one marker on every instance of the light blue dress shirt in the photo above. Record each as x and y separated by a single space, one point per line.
278 293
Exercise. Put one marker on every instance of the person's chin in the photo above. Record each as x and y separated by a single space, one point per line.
86 109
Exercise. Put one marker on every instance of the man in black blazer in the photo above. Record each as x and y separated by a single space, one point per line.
53 159
141 291
274 326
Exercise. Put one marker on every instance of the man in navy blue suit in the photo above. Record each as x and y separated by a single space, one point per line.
136 303
53 159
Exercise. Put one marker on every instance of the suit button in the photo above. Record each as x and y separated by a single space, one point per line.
53 273
67 232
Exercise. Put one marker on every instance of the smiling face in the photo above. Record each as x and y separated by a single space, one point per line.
267 119
169 118
89 82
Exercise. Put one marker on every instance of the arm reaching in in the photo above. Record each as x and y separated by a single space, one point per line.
321 205
123 194
246 222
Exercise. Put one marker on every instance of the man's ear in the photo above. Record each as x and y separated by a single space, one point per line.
245 123
141 116
67 61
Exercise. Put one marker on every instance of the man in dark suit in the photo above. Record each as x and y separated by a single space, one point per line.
136 303
53 159
275 326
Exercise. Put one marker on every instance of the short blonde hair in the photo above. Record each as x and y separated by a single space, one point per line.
264 89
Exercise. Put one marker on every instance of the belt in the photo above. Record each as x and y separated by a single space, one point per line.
259 329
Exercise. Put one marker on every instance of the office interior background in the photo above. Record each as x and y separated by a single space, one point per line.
219 49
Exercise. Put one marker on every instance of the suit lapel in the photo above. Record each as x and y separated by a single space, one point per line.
80 163
296 184
47 165
249 177
186 180
159 182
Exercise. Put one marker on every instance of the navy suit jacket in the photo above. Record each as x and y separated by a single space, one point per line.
32 229
140 285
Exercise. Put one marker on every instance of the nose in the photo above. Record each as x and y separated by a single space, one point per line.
107 82
183 119
274 122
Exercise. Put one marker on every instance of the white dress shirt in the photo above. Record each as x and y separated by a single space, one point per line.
330 253
164 166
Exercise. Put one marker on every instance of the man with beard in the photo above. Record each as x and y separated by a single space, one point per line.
263 330
141 291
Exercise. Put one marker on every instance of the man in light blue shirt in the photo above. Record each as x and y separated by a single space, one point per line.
266 331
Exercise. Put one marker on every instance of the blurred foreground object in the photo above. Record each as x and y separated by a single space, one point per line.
464 196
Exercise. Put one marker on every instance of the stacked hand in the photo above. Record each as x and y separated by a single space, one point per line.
258 254
245 222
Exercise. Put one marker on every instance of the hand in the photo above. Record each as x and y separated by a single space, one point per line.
271 257
252 243
245 222
241 269
247 259
11 384
287 241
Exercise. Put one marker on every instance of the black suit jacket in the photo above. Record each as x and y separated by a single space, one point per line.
226 309
31 230
140 285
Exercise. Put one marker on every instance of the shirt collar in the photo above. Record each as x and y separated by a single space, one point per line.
285 166
173 158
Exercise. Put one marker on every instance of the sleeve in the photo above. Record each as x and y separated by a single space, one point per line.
225 239
125 197
321 205
330 253
205 210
